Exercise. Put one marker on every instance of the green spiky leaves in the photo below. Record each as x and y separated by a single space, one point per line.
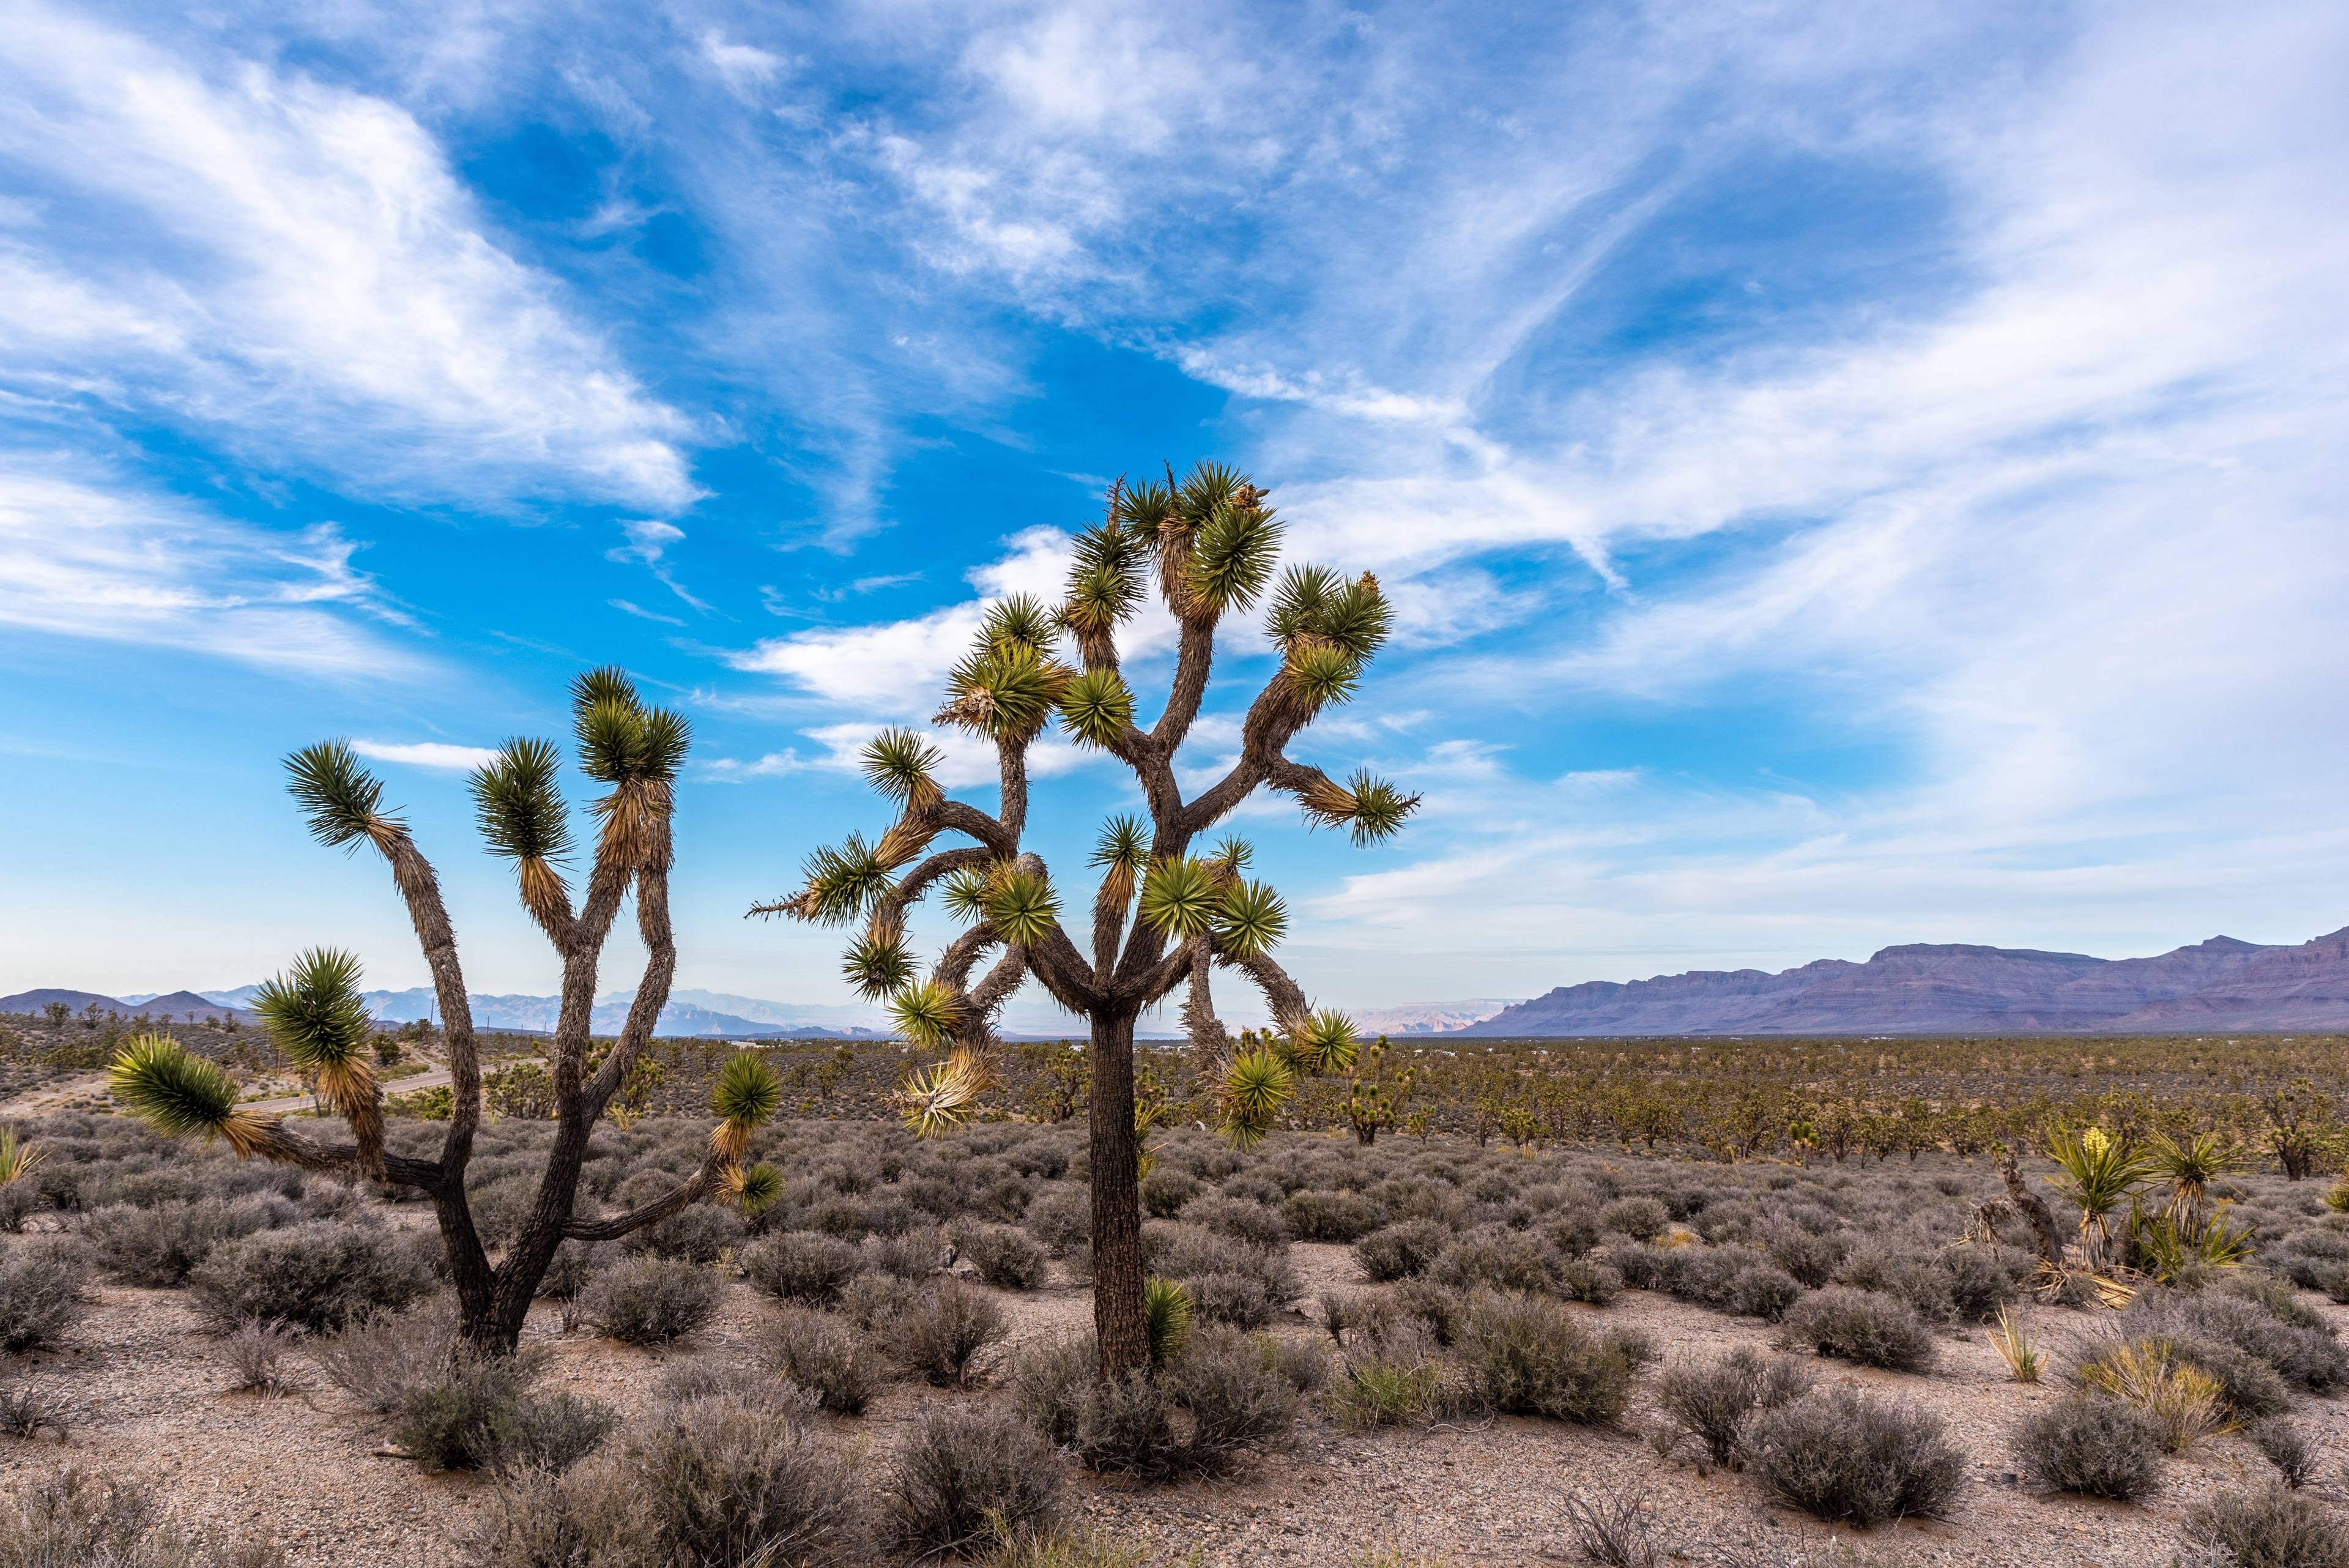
620 738
1098 708
1121 853
1181 897
746 1094
1255 1087
1370 809
1166 1315
518 800
1314 605
902 765
1252 920
878 967
965 893
342 801
179 1094
843 884
1319 675
939 1098
753 1189
1231 557
1020 905
314 1013
926 1012
1324 1042
1104 581
1006 692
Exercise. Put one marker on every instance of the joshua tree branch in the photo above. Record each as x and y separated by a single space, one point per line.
1193 659
683 1195
1281 994
412 874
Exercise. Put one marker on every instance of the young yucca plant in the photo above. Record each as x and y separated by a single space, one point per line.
316 1014
1169 912
2099 1173
2191 1163
2174 1244
2011 1339
1166 1311
18 1157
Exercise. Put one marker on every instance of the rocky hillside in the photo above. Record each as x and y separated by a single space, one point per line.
1961 989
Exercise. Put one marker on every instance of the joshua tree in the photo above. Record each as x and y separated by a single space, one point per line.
1210 542
317 1017
1372 1102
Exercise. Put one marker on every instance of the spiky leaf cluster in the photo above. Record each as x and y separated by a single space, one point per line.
178 1092
1251 920
1121 853
844 884
964 893
1324 1042
316 1015
878 966
902 766
1255 1087
518 801
745 1096
1370 809
342 800
1098 708
621 740
939 1097
926 1012
1021 906
1005 691
1181 897
1166 1316
1104 580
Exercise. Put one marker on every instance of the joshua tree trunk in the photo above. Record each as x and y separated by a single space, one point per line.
1117 1202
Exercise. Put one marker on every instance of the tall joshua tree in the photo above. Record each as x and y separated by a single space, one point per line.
315 1014
1164 916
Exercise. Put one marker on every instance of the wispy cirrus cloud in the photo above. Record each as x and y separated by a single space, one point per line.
294 269
96 557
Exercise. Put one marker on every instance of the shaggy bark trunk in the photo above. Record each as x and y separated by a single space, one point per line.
1118 1323
2033 1209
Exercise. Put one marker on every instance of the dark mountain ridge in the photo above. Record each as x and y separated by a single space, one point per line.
1957 988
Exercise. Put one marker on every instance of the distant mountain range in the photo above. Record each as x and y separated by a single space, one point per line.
1959 989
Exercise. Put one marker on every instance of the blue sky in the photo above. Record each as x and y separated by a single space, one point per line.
1847 474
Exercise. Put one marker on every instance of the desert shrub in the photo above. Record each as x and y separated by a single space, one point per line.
1645 1267
1761 1290
1258 1224
1712 1402
1394 1381
1400 1251
1440 1310
1641 1219
481 1413
1843 1455
42 1286
2257 1317
966 1479
2285 1445
1236 1396
697 1233
913 1255
255 1353
650 1300
1050 1381
1613 1529
1165 1190
1004 1257
1239 1301
1354 1311
1302 1364
723 1481
825 1356
27 1408
71 1518
2185 1403
1331 1215
2100 1447
318 1275
2270 1526
1531 1357
871 1300
156 1247
1920 1280
802 1265
1572 1232
376 1358
1125 1428
1589 1280
1863 1326
1189 1254
568 1272
1062 1219
1982 1280
942 1333
1812 1258
1250 1187
1500 1260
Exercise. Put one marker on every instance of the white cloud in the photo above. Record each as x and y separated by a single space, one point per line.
94 557
296 268
427 754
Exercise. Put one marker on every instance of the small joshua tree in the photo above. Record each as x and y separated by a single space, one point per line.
1372 1102
316 1015
1210 542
